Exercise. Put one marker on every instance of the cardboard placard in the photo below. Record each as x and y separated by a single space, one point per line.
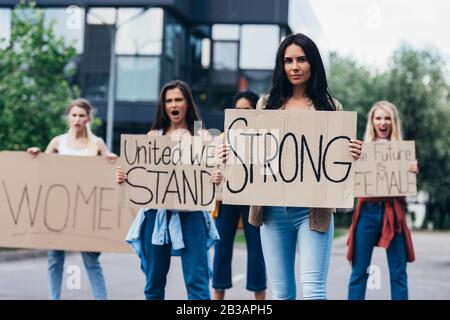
168 172
61 202
289 158
383 170
219 188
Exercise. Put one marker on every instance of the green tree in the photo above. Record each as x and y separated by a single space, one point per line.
356 86
34 86
415 82
417 86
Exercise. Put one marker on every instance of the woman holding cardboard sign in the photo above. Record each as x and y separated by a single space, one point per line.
380 221
155 233
299 83
79 141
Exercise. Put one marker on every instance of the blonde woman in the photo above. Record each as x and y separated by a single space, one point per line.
370 224
78 141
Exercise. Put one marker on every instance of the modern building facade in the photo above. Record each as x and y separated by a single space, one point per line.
217 46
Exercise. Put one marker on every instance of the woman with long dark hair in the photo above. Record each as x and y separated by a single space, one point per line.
299 78
156 233
299 83
179 112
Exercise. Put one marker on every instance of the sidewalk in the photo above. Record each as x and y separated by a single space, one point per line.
429 276
20 254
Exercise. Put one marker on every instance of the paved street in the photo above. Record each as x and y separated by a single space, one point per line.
429 276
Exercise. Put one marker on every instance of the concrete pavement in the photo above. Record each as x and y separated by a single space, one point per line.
429 276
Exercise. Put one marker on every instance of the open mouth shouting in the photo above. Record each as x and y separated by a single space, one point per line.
176 114
384 131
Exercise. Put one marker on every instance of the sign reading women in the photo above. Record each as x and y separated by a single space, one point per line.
167 172
289 158
383 170
61 202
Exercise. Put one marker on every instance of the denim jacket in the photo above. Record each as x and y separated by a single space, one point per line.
164 231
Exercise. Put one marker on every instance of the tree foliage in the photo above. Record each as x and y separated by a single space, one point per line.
417 86
34 86
415 82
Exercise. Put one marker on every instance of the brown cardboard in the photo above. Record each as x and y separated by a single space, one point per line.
276 126
61 202
160 173
383 170
219 140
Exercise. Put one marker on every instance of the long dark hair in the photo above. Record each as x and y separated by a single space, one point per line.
162 121
316 87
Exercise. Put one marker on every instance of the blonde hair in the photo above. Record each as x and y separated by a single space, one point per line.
91 138
391 109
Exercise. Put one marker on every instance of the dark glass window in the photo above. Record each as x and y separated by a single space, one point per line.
224 73
255 37
258 81
174 59
137 78
69 24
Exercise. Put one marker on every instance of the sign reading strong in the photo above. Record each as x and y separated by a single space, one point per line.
289 158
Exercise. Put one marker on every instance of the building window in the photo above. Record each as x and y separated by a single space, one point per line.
137 78
199 53
225 56
68 24
96 86
258 81
255 37
225 64
139 31
138 46
174 37
174 59
101 16
225 32
5 28
224 73
205 53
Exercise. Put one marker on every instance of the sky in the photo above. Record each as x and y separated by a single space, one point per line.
370 30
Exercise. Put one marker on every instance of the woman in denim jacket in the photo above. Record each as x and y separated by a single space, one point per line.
155 234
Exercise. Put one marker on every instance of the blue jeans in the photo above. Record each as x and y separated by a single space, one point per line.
367 234
282 228
194 257
226 224
93 268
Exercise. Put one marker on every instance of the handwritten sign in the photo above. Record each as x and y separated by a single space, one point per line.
289 158
169 173
383 170
61 202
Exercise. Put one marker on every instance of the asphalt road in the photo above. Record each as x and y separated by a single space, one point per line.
429 276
